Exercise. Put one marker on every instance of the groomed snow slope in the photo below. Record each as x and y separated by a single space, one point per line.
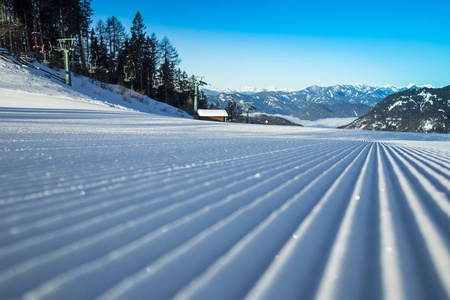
103 203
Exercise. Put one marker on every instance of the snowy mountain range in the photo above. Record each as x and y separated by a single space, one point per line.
416 110
275 101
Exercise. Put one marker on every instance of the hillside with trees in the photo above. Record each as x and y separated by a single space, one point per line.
104 51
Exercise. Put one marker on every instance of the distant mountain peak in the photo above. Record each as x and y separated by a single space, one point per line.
412 85
358 85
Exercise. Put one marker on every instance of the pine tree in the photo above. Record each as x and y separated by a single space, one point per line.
170 60
136 48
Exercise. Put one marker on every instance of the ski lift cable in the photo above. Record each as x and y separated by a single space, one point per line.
220 90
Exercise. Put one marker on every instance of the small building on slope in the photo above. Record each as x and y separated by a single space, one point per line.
219 115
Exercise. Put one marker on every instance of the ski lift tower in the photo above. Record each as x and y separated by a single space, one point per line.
196 85
247 106
66 45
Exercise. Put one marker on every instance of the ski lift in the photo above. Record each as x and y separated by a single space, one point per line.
65 45
50 50
93 66
35 34
43 52
129 72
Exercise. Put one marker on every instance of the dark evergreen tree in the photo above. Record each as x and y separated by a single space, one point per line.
137 44
170 59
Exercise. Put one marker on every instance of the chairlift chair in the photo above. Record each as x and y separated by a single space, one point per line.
93 63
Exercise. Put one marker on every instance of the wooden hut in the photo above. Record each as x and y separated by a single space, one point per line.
219 115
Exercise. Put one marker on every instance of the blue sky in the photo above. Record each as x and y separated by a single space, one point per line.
293 44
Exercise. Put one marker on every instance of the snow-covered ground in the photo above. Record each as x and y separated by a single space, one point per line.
102 202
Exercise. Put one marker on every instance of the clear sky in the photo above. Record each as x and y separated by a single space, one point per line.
294 44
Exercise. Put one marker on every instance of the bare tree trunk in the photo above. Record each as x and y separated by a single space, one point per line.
27 37
2 11
61 24
39 23
10 33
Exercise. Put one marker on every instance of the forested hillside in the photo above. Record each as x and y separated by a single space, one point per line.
417 110
105 51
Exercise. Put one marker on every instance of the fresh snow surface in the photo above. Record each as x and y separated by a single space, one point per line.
99 202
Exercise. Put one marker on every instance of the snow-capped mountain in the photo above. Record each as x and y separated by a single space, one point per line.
416 110
291 102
